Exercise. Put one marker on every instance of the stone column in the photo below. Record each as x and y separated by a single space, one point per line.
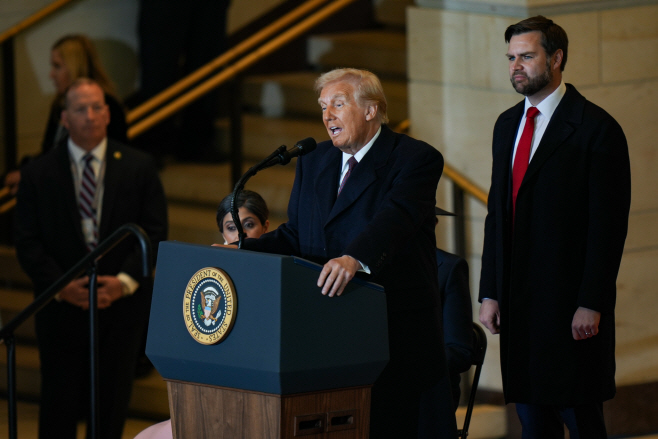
458 85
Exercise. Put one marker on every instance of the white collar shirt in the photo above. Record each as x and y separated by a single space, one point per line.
546 109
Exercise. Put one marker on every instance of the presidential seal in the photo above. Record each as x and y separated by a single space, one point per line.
210 305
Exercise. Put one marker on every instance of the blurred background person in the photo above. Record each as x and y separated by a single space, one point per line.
176 37
74 56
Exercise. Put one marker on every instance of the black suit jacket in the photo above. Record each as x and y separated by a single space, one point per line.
384 217
569 232
49 237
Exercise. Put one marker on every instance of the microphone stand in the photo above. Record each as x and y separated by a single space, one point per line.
267 162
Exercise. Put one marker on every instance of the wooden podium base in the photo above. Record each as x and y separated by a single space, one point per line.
200 411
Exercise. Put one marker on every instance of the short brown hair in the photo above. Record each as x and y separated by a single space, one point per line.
368 88
553 37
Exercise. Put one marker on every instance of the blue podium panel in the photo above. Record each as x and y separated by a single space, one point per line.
286 338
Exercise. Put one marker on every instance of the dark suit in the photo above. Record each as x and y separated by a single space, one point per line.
384 217
569 232
49 241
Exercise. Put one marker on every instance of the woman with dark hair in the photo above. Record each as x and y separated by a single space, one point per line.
253 213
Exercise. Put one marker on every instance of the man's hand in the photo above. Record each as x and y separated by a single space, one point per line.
336 274
109 290
76 292
585 323
490 315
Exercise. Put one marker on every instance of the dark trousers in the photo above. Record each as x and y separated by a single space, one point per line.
65 379
547 422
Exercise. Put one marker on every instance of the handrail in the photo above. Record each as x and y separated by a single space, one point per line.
221 60
465 183
86 263
236 68
32 19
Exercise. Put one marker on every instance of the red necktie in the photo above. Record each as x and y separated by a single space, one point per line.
351 163
523 154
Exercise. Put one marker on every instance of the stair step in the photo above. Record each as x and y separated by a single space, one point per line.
383 52
487 421
292 95
262 135
27 372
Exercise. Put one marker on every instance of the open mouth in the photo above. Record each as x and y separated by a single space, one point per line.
335 130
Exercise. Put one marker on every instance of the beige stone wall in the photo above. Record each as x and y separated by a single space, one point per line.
459 85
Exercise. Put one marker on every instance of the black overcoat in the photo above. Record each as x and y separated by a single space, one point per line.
568 238
384 217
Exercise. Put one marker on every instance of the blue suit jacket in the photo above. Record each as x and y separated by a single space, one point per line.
384 218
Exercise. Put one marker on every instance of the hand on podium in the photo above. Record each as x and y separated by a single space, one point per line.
336 274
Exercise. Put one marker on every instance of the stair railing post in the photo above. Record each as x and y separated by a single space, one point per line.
10 342
94 418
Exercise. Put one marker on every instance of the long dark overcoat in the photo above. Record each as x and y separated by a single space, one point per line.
384 217
568 238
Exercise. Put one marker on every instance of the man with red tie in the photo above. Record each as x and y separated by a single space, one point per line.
554 236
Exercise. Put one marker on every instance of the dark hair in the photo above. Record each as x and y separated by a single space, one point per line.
553 37
250 200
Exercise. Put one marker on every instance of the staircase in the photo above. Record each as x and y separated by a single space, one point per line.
279 109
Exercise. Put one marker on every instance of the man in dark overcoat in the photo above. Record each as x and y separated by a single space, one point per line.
554 237
375 216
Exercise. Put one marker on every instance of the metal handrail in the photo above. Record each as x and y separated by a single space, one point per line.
88 263
33 19
239 66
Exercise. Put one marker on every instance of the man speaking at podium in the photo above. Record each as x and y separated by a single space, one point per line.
364 202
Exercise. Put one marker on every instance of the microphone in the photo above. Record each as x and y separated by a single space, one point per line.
279 156
301 148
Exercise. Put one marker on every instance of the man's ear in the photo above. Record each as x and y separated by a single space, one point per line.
371 112
65 119
557 59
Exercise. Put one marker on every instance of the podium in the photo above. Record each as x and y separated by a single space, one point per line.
291 362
